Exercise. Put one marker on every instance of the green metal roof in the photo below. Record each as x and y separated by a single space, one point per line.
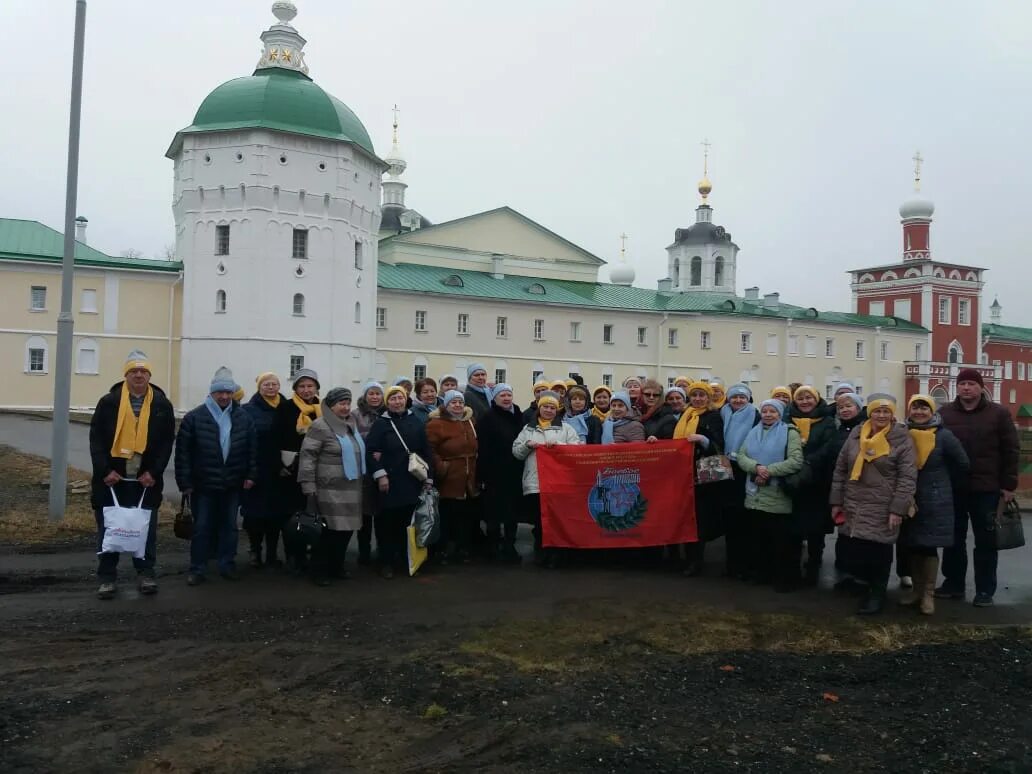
278 99
417 278
30 240
1025 410
1006 332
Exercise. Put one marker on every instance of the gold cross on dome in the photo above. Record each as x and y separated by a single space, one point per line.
918 160
705 155
623 245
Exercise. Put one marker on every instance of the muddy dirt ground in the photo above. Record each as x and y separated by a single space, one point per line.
496 669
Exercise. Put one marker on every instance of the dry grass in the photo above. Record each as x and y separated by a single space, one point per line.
598 636
24 503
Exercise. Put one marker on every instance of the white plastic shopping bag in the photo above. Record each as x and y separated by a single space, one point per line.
125 529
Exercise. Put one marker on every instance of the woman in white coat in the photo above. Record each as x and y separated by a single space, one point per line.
540 432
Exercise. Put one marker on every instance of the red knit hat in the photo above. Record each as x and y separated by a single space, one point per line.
970 375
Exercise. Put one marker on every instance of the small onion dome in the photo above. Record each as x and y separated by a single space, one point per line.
621 274
705 186
916 208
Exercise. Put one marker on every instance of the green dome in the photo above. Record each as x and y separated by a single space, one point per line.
278 99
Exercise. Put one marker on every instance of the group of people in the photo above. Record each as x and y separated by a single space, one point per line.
884 475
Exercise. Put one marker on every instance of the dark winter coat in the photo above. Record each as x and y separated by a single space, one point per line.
477 401
500 473
711 425
268 500
199 463
932 525
422 411
810 509
662 423
711 499
161 431
404 487
886 485
990 440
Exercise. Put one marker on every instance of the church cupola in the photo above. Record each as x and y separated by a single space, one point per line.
393 187
282 43
916 216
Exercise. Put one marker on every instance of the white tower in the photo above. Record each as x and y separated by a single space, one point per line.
702 256
276 199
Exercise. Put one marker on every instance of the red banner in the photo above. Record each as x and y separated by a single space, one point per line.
618 495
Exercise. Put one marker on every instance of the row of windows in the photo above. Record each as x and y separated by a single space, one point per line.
299 244
1024 371
38 299
297 305
37 356
745 344
695 271
901 309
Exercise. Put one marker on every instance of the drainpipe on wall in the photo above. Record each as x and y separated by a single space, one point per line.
171 317
659 346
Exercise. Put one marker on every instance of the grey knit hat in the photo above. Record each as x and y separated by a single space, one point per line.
306 373
336 395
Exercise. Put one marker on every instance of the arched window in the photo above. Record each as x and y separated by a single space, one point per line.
718 271
358 312
37 355
220 302
696 279
940 395
956 352
299 304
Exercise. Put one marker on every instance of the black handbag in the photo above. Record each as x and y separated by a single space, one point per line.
1006 526
182 526
304 528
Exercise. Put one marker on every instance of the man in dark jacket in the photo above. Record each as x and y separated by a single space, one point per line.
216 459
987 433
131 436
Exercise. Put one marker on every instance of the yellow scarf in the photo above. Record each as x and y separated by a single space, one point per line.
274 402
871 448
716 405
544 423
924 442
804 425
602 415
130 430
308 411
688 424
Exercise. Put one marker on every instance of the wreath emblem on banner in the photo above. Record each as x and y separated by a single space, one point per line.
615 502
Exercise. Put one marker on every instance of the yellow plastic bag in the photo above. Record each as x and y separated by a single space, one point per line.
416 555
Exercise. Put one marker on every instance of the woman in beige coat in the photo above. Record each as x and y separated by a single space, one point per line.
331 468
872 491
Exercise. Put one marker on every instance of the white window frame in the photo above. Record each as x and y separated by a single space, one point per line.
418 372
902 308
643 336
87 345
358 312
772 343
860 350
1021 371
358 254
945 314
501 327
37 344
220 230
462 324
88 301
793 344
829 347
745 341
298 305
299 244
381 317
963 311
885 350
575 328
295 364
671 337
811 346
500 376
539 329
1008 369
607 333
38 292
607 380
420 321
705 340
876 309
221 301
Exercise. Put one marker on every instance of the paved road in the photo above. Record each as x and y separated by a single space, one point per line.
32 435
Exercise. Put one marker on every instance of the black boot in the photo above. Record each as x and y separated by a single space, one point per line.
255 551
873 603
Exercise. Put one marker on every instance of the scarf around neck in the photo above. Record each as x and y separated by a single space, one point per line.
923 437
872 446
131 430
737 425
688 424
602 416
609 426
224 419
274 402
767 446
309 413
579 422
348 454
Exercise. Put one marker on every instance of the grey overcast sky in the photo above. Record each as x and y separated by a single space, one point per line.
585 116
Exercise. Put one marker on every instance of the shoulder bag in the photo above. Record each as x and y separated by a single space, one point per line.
1006 526
182 527
417 466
